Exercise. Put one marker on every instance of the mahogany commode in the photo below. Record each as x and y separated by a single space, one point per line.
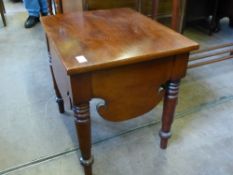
120 56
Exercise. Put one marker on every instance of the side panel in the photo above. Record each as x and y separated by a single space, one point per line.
62 79
132 90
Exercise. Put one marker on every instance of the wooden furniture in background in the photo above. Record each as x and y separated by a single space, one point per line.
211 55
176 15
218 9
64 6
157 9
2 11
71 6
198 12
153 8
225 9
55 6
143 6
110 54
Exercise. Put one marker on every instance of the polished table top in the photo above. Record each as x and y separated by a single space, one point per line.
108 38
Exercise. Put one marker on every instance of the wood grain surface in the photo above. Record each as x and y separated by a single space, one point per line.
108 38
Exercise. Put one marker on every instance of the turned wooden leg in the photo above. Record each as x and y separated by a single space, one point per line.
83 127
170 101
59 99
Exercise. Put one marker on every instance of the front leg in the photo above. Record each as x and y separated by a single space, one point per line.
170 101
83 128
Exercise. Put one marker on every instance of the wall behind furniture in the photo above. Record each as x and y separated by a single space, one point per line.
76 5
164 5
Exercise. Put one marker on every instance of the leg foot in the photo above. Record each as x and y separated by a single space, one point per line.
60 103
170 101
87 165
164 139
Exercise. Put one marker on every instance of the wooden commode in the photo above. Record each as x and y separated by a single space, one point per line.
120 56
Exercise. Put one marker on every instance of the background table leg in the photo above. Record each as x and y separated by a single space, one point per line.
83 126
59 99
155 6
176 5
170 101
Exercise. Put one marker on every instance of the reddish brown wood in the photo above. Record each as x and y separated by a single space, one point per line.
126 100
170 101
81 95
171 96
176 16
82 121
139 43
176 13
125 63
